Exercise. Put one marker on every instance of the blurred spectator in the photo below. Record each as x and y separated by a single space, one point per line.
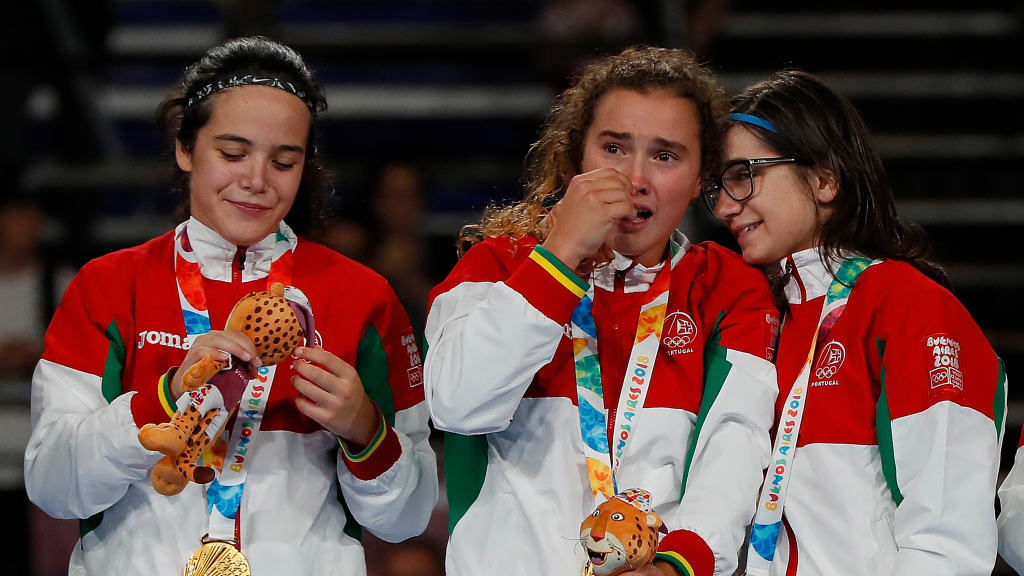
399 247
704 20
28 290
22 321
574 31
248 17
348 233
384 230
571 20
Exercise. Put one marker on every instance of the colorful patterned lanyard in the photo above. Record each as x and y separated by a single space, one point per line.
603 460
764 533
224 494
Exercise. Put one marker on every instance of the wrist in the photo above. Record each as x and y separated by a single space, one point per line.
366 427
174 383
565 253
666 568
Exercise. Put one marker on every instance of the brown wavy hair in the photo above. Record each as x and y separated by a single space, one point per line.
555 158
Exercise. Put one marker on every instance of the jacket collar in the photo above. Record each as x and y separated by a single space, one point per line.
810 277
637 277
216 255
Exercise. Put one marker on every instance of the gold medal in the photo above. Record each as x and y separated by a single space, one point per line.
216 559
588 570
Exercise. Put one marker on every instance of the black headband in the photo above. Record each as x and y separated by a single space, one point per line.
248 80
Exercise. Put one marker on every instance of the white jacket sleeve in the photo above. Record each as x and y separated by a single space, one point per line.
486 344
83 453
397 503
1011 515
487 339
940 423
946 461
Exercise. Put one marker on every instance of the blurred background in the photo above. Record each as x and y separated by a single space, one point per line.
432 106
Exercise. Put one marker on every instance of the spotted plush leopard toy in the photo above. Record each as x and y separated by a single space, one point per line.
621 534
277 321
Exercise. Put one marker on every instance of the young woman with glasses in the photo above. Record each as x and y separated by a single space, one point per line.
891 401
582 346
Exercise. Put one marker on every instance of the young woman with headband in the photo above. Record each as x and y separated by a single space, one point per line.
337 438
891 401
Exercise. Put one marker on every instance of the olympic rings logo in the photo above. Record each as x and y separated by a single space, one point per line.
826 372
675 341
680 330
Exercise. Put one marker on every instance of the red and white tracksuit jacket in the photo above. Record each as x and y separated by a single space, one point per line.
898 454
119 328
500 380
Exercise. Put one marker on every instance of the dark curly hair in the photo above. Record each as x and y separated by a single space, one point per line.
556 157
255 55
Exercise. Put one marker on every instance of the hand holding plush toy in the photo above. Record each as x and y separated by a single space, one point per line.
277 322
621 534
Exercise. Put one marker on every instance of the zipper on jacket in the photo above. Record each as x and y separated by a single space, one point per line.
619 281
611 431
236 270
794 273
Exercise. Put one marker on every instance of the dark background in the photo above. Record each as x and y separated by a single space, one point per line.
433 104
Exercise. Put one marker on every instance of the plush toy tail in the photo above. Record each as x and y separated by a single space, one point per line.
169 438
188 461
173 472
201 372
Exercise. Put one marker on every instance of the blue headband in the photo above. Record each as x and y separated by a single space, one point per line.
759 122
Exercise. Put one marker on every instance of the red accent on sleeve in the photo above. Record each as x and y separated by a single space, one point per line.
543 291
381 459
146 406
499 260
691 547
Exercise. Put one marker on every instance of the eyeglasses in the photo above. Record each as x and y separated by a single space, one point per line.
737 180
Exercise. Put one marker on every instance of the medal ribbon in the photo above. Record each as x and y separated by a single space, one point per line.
602 457
224 494
764 533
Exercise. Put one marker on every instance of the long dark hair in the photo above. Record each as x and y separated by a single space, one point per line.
237 57
823 130
557 156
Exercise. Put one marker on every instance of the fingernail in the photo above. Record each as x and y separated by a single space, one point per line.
297 353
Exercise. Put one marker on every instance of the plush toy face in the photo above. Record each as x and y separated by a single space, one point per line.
269 319
619 536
